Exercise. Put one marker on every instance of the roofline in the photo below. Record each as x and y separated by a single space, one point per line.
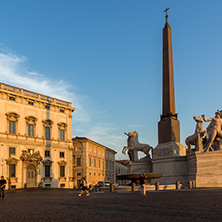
18 90
87 139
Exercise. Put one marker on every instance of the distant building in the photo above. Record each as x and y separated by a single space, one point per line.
122 168
35 139
93 160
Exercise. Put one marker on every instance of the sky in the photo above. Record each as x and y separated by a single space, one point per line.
106 58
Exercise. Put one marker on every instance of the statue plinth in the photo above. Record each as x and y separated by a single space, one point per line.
142 165
205 169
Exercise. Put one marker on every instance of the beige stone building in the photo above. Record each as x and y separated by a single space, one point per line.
93 160
122 168
35 139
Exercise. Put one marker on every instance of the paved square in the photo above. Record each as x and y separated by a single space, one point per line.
65 205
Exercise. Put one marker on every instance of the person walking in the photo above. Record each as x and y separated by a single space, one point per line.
143 178
84 187
2 187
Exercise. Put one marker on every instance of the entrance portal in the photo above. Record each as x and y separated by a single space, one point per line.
31 176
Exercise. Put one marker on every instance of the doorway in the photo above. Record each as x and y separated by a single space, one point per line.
31 176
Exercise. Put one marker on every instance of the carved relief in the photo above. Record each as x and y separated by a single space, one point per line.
47 123
35 157
62 163
11 160
12 116
47 161
62 125
162 152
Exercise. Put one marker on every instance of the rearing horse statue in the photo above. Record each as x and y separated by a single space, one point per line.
133 146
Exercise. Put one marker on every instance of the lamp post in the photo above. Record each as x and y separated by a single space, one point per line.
2 165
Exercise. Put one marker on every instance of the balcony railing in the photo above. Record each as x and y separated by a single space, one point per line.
34 95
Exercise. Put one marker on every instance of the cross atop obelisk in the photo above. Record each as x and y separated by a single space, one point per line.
166 14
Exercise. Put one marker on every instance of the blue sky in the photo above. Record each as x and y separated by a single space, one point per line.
106 58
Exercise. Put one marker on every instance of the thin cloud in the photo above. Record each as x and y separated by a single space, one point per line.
13 71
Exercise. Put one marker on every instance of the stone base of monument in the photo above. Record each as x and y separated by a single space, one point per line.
143 165
170 160
205 169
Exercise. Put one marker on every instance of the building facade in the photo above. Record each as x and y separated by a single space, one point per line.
35 139
93 160
122 168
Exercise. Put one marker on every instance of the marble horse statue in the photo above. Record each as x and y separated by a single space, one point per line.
197 137
133 146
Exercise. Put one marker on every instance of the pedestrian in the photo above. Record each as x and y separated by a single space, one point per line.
143 178
84 187
2 187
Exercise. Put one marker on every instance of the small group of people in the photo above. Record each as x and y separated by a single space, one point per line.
2 187
84 187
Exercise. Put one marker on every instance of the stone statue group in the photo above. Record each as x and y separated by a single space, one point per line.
203 140
213 139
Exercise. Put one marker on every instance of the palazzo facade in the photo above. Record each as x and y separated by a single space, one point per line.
36 146
93 160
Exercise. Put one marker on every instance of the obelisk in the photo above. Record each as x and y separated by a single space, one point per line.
169 125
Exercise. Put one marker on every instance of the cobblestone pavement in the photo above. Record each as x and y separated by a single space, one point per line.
65 205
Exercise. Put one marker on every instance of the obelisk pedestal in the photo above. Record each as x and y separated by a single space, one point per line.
169 157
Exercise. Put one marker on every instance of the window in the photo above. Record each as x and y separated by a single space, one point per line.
99 163
62 185
107 164
47 170
12 127
12 98
78 161
94 162
62 155
62 135
103 165
47 107
47 153
30 103
90 161
31 151
90 174
79 174
62 130
62 171
12 172
11 150
62 110
30 130
47 132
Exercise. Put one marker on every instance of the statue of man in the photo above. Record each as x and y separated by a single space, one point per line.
213 130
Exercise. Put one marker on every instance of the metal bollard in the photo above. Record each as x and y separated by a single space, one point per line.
157 185
178 185
111 188
133 187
